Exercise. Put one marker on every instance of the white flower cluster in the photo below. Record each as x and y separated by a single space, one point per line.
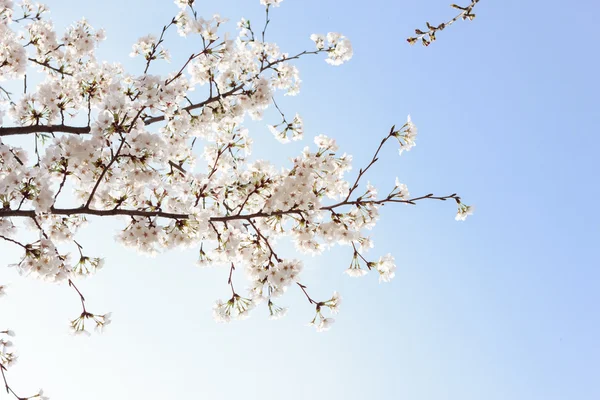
386 267
78 324
235 308
13 57
183 4
7 356
88 265
42 260
338 47
464 211
322 323
207 29
144 46
173 166
406 136
296 128
275 280
81 40
274 3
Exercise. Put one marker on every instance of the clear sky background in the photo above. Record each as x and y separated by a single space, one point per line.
502 306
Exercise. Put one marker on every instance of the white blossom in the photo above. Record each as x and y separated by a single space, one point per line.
401 190
184 3
325 324
235 308
355 272
274 3
406 137
319 40
340 49
276 312
464 211
386 267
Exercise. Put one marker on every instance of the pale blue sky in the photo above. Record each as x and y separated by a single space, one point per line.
503 306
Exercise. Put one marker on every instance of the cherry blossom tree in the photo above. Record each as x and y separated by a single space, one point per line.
167 155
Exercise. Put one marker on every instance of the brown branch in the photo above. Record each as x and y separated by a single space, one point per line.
373 161
80 295
62 183
412 201
311 301
357 253
466 13
267 20
9 389
230 280
24 130
6 213
6 385
138 213
12 241
105 170
46 64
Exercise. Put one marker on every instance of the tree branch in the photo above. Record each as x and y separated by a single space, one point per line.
25 130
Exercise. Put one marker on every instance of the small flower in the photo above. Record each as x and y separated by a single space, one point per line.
184 3
274 3
325 324
464 211
325 143
40 395
78 324
237 307
340 49
321 323
276 312
88 265
204 260
221 312
355 272
334 302
401 190
386 268
406 136
296 127
102 321
319 40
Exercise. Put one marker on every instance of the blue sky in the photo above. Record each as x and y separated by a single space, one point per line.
503 306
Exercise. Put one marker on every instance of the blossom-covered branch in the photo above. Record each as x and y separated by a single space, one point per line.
168 156
428 36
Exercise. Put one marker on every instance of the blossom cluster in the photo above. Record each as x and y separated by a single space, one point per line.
7 355
338 47
168 154
78 324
